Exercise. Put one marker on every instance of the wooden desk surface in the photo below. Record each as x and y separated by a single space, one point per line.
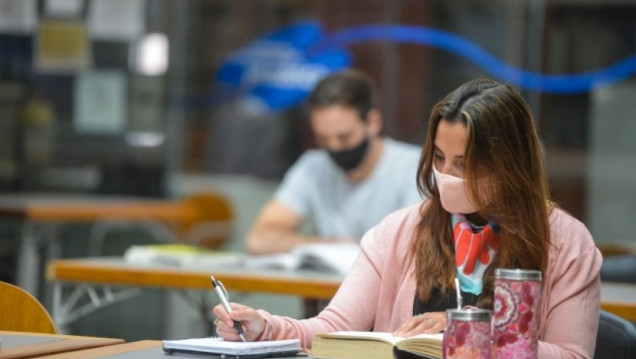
104 352
146 349
92 208
30 345
114 271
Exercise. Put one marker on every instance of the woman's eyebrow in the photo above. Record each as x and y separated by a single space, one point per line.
436 149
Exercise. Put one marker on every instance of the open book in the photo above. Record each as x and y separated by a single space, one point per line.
216 346
329 257
374 345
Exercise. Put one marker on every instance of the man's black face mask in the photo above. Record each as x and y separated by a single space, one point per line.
350 158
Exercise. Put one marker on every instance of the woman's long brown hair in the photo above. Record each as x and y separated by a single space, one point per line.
506 177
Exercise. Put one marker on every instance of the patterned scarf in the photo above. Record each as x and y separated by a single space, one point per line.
475 248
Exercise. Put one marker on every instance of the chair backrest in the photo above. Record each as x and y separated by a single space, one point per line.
212 224
616 338
21 312
619 268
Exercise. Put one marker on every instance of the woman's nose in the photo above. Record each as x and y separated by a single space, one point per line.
443 169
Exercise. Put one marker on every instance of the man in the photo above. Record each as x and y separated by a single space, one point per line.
347 186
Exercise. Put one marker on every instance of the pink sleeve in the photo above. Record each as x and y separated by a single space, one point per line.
352 308
573 310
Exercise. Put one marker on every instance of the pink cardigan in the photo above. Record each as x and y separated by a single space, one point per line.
379 290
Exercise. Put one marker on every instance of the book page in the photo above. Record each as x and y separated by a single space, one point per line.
284 261
423 344
378 336
327 257
435 337
330 257
417 341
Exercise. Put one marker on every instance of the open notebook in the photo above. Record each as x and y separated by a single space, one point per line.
215 346
328 257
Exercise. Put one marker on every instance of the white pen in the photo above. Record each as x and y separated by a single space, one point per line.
223 297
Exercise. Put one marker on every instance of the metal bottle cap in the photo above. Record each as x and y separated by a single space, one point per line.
469 315
518 274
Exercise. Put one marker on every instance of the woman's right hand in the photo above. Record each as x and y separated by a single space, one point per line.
251 321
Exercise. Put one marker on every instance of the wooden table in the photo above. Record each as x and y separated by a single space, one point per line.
92 208
30 345
115 271
617 298
41 216
112 280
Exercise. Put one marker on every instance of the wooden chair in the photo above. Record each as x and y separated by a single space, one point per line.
213 221
21 312
619 268
209 225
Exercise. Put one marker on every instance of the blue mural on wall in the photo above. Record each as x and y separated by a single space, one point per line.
502 71
278 70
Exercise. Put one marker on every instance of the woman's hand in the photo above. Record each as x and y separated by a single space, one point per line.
431 322
251 321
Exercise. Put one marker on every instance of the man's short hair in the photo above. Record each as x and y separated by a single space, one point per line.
348 88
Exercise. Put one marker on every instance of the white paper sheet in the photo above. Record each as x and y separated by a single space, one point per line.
17 16
100 102
122 20
64 8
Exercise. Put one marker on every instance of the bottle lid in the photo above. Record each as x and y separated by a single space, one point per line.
469 315
518 274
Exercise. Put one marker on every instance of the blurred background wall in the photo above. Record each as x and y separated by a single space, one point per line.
146 98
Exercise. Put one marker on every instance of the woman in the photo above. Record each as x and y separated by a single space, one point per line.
483 172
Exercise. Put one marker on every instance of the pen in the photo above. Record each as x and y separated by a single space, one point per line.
222 293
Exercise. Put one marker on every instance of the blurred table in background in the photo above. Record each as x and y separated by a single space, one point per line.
107 280
620 299
42 215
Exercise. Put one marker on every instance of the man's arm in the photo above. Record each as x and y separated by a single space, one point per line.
276 230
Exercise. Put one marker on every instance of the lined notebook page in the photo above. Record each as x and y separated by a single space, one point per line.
218 345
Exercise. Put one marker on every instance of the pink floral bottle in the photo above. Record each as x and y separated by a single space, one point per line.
467 334
515 319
